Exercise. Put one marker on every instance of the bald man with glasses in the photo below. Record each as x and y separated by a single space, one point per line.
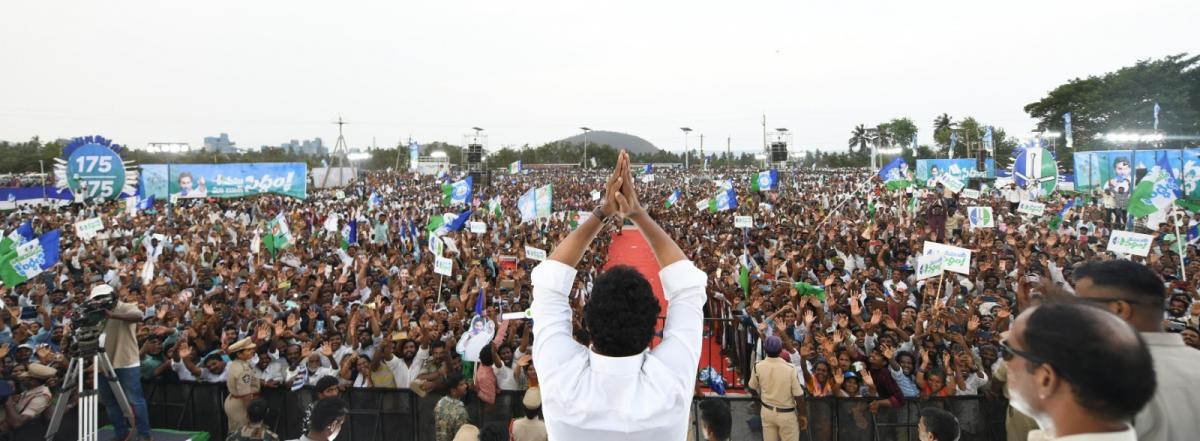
1138 296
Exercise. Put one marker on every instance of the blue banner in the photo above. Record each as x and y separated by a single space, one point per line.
10 198
963 169
1112 170
224 180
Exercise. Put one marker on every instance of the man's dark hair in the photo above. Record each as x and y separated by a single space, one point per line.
493 432
486 355
941 424
326 382
1104 360
716 417
437 344
453 379
325 412
1131 278
257 410
621 313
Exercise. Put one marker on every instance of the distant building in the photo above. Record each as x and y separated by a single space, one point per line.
220 144
168 147
313 147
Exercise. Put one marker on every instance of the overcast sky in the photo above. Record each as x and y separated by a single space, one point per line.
534 71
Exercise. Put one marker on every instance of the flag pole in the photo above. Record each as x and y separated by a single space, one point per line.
839 205
1179 243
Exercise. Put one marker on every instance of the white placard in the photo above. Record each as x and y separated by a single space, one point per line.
1031 208
743 221
929 265
478 227
1126 242
87 229
436 246
443 266
648 178
595 195
981 217
970 193
953 258
952 183
702 205
537 254
519 315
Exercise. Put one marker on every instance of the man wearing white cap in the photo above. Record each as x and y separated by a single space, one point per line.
121 345
530 428
22 414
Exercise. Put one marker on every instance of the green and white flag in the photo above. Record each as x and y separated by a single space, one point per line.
1154 194
279 236
494 207
672 199
29 259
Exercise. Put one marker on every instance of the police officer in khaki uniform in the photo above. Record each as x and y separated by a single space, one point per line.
242 382
775 384
22 414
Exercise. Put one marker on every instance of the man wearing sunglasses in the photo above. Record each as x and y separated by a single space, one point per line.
1082 373
1137 295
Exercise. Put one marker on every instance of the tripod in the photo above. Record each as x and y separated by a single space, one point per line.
88 417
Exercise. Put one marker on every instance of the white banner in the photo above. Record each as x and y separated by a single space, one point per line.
535 253
702 205
87 229
743 221
443 266
970 193
981 217
953 258
478 227
1031 208
1126 242
929 265
952 183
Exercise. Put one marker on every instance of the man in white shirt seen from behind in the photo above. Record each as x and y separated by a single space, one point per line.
1136 294
616 389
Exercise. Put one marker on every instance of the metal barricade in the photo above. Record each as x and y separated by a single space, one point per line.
399 414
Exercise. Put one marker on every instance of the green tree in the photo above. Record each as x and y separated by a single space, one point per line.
860 137
1124 101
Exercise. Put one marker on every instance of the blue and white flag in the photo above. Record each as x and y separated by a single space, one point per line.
375 200
895 174
1067 130
28 260
953 142
722 201
458 192
648 170
459 221
1156 110
987 138
914 146
673 198
145 203
765 181
527 205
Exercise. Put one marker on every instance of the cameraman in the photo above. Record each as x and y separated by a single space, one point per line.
120 343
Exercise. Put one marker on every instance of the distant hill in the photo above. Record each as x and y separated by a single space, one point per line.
615 139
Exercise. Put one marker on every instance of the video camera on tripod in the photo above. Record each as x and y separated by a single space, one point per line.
88 319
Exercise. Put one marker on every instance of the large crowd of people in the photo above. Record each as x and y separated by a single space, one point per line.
830 300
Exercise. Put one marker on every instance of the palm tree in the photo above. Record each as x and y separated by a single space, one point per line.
883 136
942 122
861 137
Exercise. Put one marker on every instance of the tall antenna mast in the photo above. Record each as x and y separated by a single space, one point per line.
339 156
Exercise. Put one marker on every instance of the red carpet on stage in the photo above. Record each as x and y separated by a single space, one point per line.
631 249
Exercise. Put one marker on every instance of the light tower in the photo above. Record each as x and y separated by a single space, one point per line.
339 157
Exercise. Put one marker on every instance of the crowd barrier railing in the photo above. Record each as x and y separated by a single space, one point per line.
399 414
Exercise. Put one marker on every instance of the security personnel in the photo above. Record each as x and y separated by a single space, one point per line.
242 382
776 386
23 413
